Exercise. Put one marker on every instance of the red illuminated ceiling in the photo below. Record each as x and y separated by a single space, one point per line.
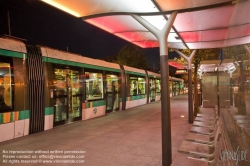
199 23
176 64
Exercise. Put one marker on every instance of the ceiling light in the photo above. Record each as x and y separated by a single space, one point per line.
61 7
157 21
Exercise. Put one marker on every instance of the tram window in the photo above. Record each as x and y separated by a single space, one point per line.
133 82
111 78
94 86
158 86
60 81
152 84
170 86
5 87
137 85
141 85
176 86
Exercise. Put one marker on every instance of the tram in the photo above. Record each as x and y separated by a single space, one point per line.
42 87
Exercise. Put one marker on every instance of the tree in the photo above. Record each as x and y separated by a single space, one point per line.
130 55
111 58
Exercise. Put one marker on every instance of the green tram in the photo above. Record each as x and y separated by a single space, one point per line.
43 87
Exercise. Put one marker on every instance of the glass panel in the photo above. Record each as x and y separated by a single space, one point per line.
177 88
60 95
209 89
67 94
170 88
112 92
228 91
141 85
74 93
133 82
5 87
158 86
76 107
60 105
94 86
152 89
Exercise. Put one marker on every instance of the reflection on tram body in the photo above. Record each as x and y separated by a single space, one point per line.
67 94
94 86
112 91
6 85
137 85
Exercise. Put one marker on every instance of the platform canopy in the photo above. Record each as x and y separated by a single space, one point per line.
213 65
199 23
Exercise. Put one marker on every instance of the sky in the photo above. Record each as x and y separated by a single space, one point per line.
41 24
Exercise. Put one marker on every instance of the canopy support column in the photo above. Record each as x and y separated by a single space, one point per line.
162 36
190 98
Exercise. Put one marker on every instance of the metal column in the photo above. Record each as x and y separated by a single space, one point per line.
162 36
190 97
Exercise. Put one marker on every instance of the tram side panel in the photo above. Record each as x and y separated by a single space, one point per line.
95 103
77 88
103 87
64 88
158 89
136 89
21 99
49 95
154 86
14 113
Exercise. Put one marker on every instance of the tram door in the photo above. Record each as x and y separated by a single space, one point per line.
68 96
152 89
112 93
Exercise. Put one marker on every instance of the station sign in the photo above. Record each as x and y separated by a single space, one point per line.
181 71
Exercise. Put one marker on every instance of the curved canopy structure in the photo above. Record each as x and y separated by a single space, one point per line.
179 24
198 24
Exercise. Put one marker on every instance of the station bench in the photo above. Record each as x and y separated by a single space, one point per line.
204 141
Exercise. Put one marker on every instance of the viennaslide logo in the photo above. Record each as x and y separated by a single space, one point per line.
95 110
238 155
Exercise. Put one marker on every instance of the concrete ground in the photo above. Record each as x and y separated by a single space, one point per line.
125 138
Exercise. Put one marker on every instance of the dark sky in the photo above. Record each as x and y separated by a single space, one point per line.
41 24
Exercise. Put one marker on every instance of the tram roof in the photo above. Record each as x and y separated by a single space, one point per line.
12 45
198 24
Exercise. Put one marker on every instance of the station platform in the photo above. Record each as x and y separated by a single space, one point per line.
125 138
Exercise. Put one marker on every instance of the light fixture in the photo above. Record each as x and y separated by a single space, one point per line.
61 7
157 21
